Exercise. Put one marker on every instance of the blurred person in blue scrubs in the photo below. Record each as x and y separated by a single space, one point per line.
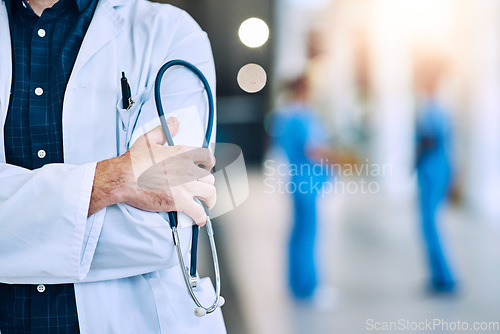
434 167
299 133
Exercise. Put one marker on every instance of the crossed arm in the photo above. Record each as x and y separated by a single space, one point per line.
154 178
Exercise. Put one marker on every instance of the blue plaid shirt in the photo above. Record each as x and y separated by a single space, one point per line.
44 51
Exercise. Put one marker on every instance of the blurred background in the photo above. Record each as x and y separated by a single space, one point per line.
397 104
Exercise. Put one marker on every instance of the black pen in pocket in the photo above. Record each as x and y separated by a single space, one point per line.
126 94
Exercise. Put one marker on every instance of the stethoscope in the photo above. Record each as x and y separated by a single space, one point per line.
190 275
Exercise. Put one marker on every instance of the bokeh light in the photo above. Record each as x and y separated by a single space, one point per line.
254 32
252 78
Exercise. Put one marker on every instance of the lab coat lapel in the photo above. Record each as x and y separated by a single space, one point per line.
104 27
5 72
5 64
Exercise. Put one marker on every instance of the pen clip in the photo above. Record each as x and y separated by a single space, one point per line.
130 103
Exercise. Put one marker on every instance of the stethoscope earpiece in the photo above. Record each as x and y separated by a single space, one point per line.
200 312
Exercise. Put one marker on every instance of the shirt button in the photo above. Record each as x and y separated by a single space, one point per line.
38 91
42 154
40 288
41 33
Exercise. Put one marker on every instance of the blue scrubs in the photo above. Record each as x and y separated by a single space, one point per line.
297 130
434 176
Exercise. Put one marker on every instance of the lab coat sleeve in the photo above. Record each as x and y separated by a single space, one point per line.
43 218
45 234
134 242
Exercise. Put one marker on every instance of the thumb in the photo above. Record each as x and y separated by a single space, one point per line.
173 125
156 135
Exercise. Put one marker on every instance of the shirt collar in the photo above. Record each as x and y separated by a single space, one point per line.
81 4
8 6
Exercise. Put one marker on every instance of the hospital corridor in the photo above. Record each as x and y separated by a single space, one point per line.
370 133
371 261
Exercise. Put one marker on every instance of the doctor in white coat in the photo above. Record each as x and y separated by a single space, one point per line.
86 221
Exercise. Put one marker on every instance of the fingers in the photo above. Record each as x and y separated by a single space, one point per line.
156 135
203 156
210 179
197 213
198 155
204 192
173 125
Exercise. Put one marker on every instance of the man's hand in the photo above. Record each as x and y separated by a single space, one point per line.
154 178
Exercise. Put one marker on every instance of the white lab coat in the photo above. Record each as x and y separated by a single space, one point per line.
122 260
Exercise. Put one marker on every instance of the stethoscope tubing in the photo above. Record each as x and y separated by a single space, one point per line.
190 276
208 90
189 283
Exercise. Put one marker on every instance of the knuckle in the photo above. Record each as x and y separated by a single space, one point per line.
181 149
212 197
177 149
212 191
201 174
209 155
212 202
200 217
204 153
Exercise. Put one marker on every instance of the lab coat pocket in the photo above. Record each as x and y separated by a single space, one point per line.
126 121
176 308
